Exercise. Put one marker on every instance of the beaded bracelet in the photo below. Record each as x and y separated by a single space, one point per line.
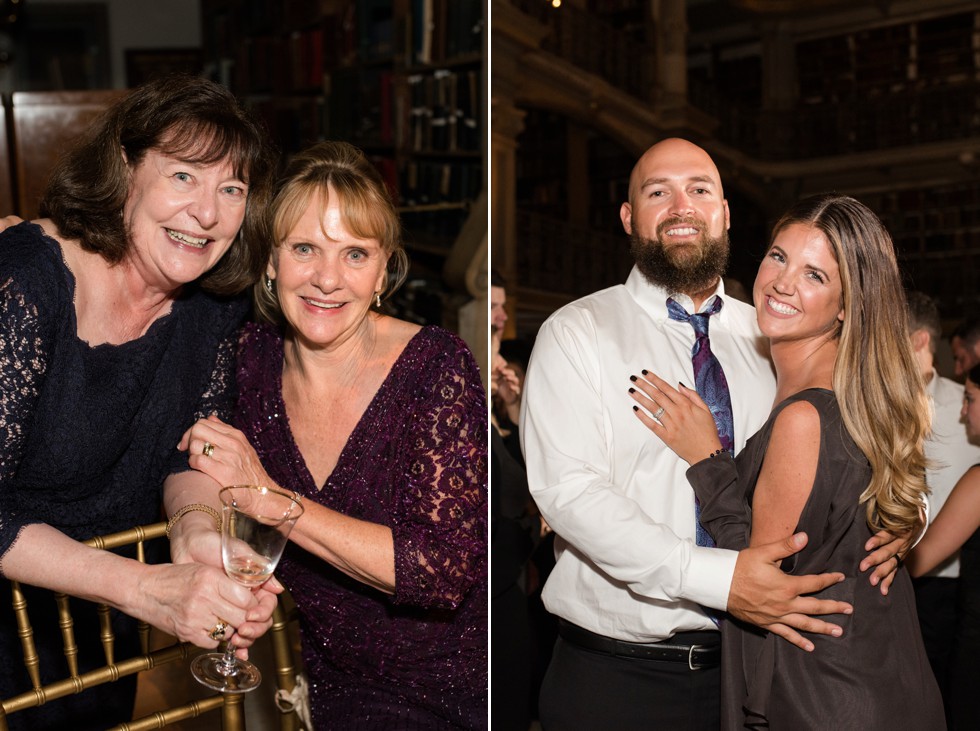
717 453
191 508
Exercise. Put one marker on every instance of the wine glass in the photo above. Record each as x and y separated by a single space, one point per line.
255 524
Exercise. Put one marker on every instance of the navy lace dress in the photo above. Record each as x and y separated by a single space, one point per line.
416 462
87 436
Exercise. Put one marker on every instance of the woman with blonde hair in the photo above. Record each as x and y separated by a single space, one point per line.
381 426
840 457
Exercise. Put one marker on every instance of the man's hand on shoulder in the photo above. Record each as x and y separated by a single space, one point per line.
763 595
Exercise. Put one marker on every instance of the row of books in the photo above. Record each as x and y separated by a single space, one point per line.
439 112
442 30
295 123
273 63
444 111
426 182
363 106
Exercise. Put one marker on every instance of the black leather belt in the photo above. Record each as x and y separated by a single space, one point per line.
696 655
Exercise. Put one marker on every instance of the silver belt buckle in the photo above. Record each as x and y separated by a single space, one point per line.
690 658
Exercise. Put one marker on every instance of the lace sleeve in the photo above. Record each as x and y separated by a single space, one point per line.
440 528
23 365
218 397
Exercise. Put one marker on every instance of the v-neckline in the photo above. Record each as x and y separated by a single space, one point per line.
342 457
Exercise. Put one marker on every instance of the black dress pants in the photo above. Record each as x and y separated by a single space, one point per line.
590 691
935 603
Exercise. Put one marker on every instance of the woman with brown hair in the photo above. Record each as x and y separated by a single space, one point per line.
116 309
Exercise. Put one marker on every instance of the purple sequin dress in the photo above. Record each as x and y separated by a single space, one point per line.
417 462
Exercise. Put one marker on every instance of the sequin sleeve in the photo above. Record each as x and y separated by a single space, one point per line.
440 528
23 366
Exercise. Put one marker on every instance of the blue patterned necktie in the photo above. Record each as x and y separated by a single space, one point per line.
711 385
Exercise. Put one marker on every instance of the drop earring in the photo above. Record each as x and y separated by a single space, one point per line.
268 283
377 300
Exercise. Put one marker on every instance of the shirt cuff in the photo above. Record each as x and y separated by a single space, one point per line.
709 578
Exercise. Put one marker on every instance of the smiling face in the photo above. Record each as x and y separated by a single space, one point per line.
677 216
798 292
326 277
181 217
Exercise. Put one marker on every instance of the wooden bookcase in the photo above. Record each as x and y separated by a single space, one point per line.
404 80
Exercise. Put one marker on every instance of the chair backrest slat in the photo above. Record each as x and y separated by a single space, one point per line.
111 671
67 625
26 634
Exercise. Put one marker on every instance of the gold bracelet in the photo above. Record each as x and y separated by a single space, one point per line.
191 508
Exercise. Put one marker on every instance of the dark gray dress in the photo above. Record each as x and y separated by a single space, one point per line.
876 676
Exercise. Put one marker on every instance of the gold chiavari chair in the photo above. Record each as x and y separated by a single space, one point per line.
231 705
232 716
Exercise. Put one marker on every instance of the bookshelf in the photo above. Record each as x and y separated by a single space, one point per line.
403 80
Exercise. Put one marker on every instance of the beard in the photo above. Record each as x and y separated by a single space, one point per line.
681 267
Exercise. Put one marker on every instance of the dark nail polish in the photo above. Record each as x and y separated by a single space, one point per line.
633 378
684 384
632 390
644 371
636 408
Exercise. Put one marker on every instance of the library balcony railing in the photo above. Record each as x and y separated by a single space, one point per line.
556 256
590 44
873 120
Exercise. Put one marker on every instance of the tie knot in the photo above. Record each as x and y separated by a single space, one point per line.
699 320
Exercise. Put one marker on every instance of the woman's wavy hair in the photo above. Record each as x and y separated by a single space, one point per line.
366 209
877 382
187 117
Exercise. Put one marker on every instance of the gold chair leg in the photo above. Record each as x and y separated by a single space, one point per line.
233 712
285 668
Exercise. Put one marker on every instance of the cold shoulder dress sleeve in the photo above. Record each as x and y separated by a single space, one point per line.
416 462
876 675
88 434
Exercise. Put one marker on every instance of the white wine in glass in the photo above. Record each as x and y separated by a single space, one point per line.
255 525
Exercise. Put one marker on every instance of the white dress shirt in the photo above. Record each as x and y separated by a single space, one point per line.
949 453
617 498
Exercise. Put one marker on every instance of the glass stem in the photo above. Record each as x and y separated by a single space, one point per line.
228 665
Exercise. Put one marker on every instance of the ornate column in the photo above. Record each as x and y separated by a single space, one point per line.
779 94
513 34
669 22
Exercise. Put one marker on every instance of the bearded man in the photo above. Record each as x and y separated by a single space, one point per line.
637 648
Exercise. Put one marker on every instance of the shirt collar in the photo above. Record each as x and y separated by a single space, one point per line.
653 298
931 385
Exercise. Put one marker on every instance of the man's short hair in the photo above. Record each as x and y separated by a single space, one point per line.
924 315
968 331
497 279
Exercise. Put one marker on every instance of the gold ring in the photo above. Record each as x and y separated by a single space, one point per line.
208 449
217 633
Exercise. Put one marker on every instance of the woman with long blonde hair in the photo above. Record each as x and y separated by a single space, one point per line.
840 457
